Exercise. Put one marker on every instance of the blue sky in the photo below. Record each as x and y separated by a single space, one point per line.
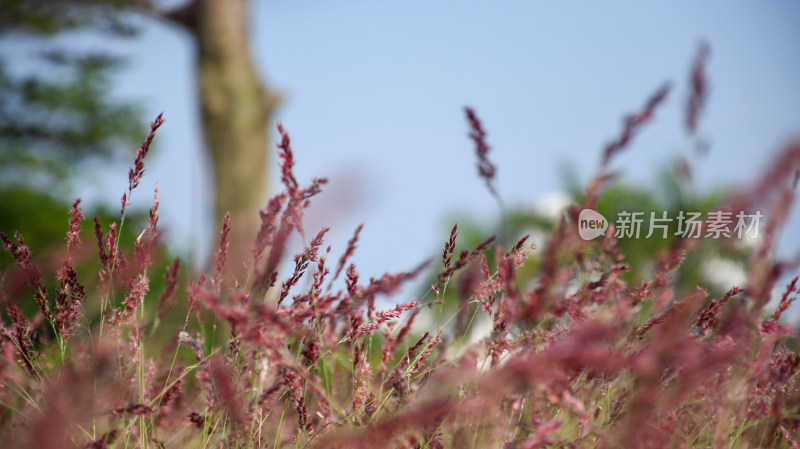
374 93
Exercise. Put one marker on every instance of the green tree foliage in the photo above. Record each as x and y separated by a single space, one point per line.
55 110
49 126
56 113
48 18
641 255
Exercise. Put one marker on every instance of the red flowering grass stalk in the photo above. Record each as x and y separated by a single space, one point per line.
296 386
563 240
151 232
227 396
104 441
101 247
607 277
788 437
22 257
596 292
786 301
486 292
780 173
362 373
655 288
286 157
391 342
198 420
111 257
449 247
352 281
69 298
351 247
698 88
675 309
319 275
633 123
147 241
506 277
385 285
136 172
20 336
517 249
133 300
363 329
467 284
463 259
313 305
167 392
291 218
166 300
194 297
710 315
498 341
302 262
73 237
764 271
352 292
310 351
195 344
770 327
508 264
382 317
412 351
115 257
133 409
266 231
770 393
71 292
486 169
425 352
295 194
266 278
137 282
221 257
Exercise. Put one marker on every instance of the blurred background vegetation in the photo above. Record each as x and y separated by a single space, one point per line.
55 118
58 116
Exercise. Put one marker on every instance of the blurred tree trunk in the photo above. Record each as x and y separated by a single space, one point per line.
236 108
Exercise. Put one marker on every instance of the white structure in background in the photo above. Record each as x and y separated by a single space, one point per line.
724 273
551 205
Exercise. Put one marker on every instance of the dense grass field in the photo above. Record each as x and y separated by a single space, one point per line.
108 345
